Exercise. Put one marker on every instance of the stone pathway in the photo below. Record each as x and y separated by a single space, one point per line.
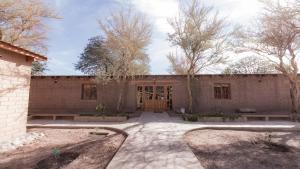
155 143
155 140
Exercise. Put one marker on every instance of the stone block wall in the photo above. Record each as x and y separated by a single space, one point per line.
15 72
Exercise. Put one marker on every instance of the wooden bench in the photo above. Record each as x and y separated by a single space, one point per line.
266 117
246 110
53 116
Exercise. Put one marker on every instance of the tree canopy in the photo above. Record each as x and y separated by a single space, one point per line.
251 65
95 57
38 68
276 36
199 33
22 23
127 33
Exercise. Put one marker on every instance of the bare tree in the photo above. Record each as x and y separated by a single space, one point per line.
22 23
179 65
251 65
127 34
276 36
200 34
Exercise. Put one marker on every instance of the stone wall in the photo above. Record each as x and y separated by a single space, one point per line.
15 72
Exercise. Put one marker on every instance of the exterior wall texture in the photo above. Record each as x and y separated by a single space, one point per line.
15 72
265 93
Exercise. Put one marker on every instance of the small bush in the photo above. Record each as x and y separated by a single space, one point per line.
56 153
100 109
224 116
190 117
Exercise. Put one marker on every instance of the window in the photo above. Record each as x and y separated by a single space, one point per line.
222 91
169 97
160 93
148 92
89 92
139 97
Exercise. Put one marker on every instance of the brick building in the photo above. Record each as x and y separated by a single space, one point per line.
15 72
212 93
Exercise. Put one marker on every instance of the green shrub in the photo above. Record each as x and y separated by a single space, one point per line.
100 109
190 117
56 153
224 116
233 117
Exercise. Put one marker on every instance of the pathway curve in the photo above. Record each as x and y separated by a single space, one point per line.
155 140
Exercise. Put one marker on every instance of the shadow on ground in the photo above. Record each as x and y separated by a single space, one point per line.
255 153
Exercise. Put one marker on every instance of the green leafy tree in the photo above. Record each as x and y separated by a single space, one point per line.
38 68
95 57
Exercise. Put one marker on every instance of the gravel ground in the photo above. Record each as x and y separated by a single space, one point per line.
228 149
92 151
28 138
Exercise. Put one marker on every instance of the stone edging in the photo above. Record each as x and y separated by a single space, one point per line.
274 129
81 127
125 134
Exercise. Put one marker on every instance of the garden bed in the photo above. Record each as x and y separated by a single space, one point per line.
100 118
212 117
65 148
227 149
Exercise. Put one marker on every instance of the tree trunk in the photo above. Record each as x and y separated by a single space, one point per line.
189 88
295 96
120 99
1 34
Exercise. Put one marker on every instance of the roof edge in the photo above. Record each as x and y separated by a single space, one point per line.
21 51
141 76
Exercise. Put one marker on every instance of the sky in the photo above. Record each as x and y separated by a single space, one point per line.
68 36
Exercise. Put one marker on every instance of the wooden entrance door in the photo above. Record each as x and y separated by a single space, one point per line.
154 98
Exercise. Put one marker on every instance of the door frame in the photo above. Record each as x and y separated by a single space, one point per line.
158 105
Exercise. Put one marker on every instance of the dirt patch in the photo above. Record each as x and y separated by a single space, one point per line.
56 162
227 149
65 148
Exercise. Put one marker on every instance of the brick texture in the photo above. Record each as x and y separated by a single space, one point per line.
265 93
15 72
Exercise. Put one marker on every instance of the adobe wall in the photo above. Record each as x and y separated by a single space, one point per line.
15 75
63 95
265 93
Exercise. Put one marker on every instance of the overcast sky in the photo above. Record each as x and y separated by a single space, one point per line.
68 36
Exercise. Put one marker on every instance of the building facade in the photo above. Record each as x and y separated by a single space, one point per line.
15 73
211 93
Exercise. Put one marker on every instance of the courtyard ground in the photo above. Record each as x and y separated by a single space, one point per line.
156 140
227 149
65 148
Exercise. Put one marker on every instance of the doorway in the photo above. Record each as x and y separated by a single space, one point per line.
156 98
